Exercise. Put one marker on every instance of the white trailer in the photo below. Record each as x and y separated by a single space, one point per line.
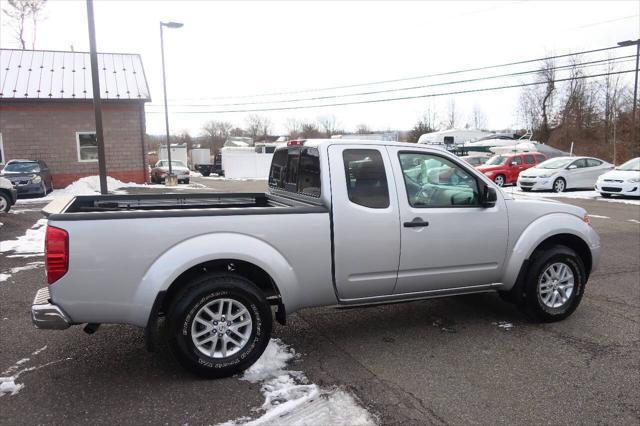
178 153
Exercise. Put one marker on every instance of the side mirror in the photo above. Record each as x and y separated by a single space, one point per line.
513 164
571 167
489 197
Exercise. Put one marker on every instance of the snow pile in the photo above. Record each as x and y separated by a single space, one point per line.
89 185
585 195
29 244
33 265
291 400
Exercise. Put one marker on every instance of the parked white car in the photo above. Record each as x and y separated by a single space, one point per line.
562 173
624 180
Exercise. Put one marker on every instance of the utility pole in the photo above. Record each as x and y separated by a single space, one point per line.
97 105
635 144
170 179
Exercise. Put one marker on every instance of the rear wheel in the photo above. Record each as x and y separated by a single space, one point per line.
499 180
218 325
206 174
559 185
555 283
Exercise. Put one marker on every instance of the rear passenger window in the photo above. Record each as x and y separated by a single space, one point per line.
296 170
528 159
309 172
516 160
593 163
366 178
540 158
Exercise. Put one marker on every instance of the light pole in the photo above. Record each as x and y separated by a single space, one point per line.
170 178
635 145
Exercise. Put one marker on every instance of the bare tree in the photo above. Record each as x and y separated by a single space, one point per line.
610 88
18 11
35 7
363 129
328 124
217 133
478 118
266 126
547 74
452 115
293 126
309 130
255 125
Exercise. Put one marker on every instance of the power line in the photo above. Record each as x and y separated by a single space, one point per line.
293 92
401 89
403 98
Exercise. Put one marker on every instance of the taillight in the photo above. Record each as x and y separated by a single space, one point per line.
296 142
56 248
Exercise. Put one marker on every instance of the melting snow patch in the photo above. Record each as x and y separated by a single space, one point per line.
10 272
8 384
634 221
586 195
504 325
30 244
291 400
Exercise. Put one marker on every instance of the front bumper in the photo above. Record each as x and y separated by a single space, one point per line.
13 194
535 183
618 188
29 189
45 315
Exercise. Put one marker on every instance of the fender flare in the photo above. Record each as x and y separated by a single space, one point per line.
538 231
204 248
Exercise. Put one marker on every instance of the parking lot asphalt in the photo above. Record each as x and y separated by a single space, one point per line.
461 360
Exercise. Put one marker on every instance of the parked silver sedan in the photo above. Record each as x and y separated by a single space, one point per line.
562 173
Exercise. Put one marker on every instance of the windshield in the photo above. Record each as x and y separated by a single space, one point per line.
165 163
631 165
555 163
497 160
22 167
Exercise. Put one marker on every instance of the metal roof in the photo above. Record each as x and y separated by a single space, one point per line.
48 74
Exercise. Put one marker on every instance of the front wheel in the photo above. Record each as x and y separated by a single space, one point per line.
559 185
555 283
218 325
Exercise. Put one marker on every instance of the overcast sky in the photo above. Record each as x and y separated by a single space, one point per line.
246 48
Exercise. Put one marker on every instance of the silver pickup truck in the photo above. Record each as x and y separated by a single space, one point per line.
344 223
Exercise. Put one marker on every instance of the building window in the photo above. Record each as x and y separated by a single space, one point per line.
87 146
2 159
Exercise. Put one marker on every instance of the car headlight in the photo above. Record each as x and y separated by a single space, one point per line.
36 179
634 180
547 175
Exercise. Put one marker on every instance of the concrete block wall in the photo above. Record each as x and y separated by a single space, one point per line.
46 130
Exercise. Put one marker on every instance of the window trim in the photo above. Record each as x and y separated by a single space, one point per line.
80 160
479 183
386 176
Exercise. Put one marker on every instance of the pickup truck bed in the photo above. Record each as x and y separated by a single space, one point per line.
88 207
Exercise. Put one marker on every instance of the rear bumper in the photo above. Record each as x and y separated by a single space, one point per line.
45 315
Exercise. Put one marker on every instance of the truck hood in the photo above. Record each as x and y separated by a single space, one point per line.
542 206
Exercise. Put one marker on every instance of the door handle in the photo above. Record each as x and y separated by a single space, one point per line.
416 223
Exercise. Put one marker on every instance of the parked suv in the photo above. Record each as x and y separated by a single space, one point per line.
8 195
30 177
504 169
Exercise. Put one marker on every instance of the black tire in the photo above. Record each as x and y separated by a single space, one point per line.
541 260
605 195
206 174
43 193
559 185
6 202
186 305
525 189
186 181
500 178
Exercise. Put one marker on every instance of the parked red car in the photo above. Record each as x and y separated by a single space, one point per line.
504 169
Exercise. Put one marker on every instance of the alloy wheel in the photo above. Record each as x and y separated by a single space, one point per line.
221 328
555 285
